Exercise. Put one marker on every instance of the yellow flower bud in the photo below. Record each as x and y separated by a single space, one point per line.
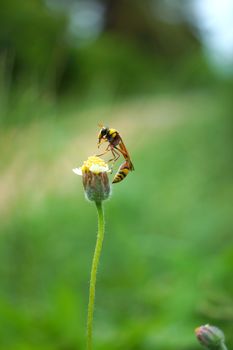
95 179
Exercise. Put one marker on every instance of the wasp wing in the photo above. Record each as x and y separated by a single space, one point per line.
125 153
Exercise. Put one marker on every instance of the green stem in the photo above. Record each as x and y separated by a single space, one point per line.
95 263
223 347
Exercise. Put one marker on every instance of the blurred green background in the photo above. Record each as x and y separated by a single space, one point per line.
166 268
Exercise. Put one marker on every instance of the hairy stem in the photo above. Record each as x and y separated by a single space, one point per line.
223 347
95 263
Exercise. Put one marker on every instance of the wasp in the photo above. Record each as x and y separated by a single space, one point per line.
117 148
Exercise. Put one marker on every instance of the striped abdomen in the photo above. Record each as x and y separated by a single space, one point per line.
122 172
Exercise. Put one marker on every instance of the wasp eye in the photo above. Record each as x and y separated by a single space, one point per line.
103 132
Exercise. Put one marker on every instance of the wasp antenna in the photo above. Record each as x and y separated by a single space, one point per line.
100 125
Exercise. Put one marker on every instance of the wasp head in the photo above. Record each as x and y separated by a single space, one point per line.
102 135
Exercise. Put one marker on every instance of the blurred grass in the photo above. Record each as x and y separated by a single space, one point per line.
167 260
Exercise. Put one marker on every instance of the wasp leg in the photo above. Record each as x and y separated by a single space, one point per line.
116 156
125 155
100 143
106 151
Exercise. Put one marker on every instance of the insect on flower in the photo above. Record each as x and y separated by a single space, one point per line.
117 147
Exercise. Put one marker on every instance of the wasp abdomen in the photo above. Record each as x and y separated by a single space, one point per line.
122 172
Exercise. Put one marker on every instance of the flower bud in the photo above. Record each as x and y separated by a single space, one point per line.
210 336
95 179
